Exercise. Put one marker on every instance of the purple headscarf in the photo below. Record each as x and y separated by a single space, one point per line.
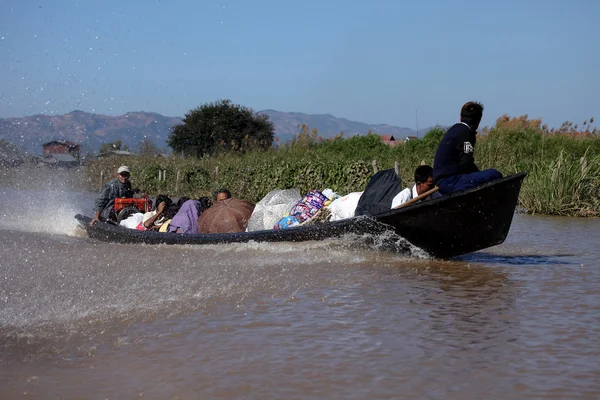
186 218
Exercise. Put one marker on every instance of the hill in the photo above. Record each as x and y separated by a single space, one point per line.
89 130
92 130
286 124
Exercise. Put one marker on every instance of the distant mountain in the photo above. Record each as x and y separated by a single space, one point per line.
286 124
92 130
89 130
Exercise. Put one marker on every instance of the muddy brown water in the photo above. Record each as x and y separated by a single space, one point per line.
83 319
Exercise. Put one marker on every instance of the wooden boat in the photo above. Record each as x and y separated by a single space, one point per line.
444 227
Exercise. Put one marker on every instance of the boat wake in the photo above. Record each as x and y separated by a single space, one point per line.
511 254
383 242
49 211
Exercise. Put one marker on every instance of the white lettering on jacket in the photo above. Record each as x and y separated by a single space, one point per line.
468 147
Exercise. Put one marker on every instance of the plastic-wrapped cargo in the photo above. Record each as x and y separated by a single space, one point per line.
271 208
344 207
310 204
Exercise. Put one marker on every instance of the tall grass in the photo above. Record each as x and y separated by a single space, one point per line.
565 186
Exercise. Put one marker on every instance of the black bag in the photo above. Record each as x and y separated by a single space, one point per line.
379 193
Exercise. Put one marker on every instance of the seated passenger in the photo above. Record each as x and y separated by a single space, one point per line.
170 212
152 220
118 187
423 183
186 219
222 194
454 166
205 202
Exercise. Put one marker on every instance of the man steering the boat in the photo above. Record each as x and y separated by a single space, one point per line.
117 187
454 167
423 183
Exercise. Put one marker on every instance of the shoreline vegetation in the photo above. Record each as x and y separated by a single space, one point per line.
563 165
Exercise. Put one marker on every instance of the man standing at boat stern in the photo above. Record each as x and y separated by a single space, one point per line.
454 166
118 187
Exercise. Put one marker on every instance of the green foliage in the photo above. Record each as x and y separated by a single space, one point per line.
566 186
108 147
219 127
432 139
564 172
304 138
355 147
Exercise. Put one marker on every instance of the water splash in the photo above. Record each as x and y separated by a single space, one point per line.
42 200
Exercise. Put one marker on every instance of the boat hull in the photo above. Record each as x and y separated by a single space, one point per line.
445 227
460 223
114 233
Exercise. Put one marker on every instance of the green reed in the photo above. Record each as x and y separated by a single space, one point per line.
566 186
564 172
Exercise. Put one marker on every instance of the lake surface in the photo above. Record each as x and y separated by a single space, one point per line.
333 319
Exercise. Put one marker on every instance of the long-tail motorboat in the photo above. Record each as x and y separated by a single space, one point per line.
444 227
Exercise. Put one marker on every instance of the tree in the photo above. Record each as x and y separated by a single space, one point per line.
108 147
147 148
305 137
11 155
433 138
221 126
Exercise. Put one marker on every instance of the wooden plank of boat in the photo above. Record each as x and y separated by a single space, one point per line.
445 227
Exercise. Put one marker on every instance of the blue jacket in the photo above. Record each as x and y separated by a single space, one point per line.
454 155
111 191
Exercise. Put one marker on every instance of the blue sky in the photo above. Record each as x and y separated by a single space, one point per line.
376 62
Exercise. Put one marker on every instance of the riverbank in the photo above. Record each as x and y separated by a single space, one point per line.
564 171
